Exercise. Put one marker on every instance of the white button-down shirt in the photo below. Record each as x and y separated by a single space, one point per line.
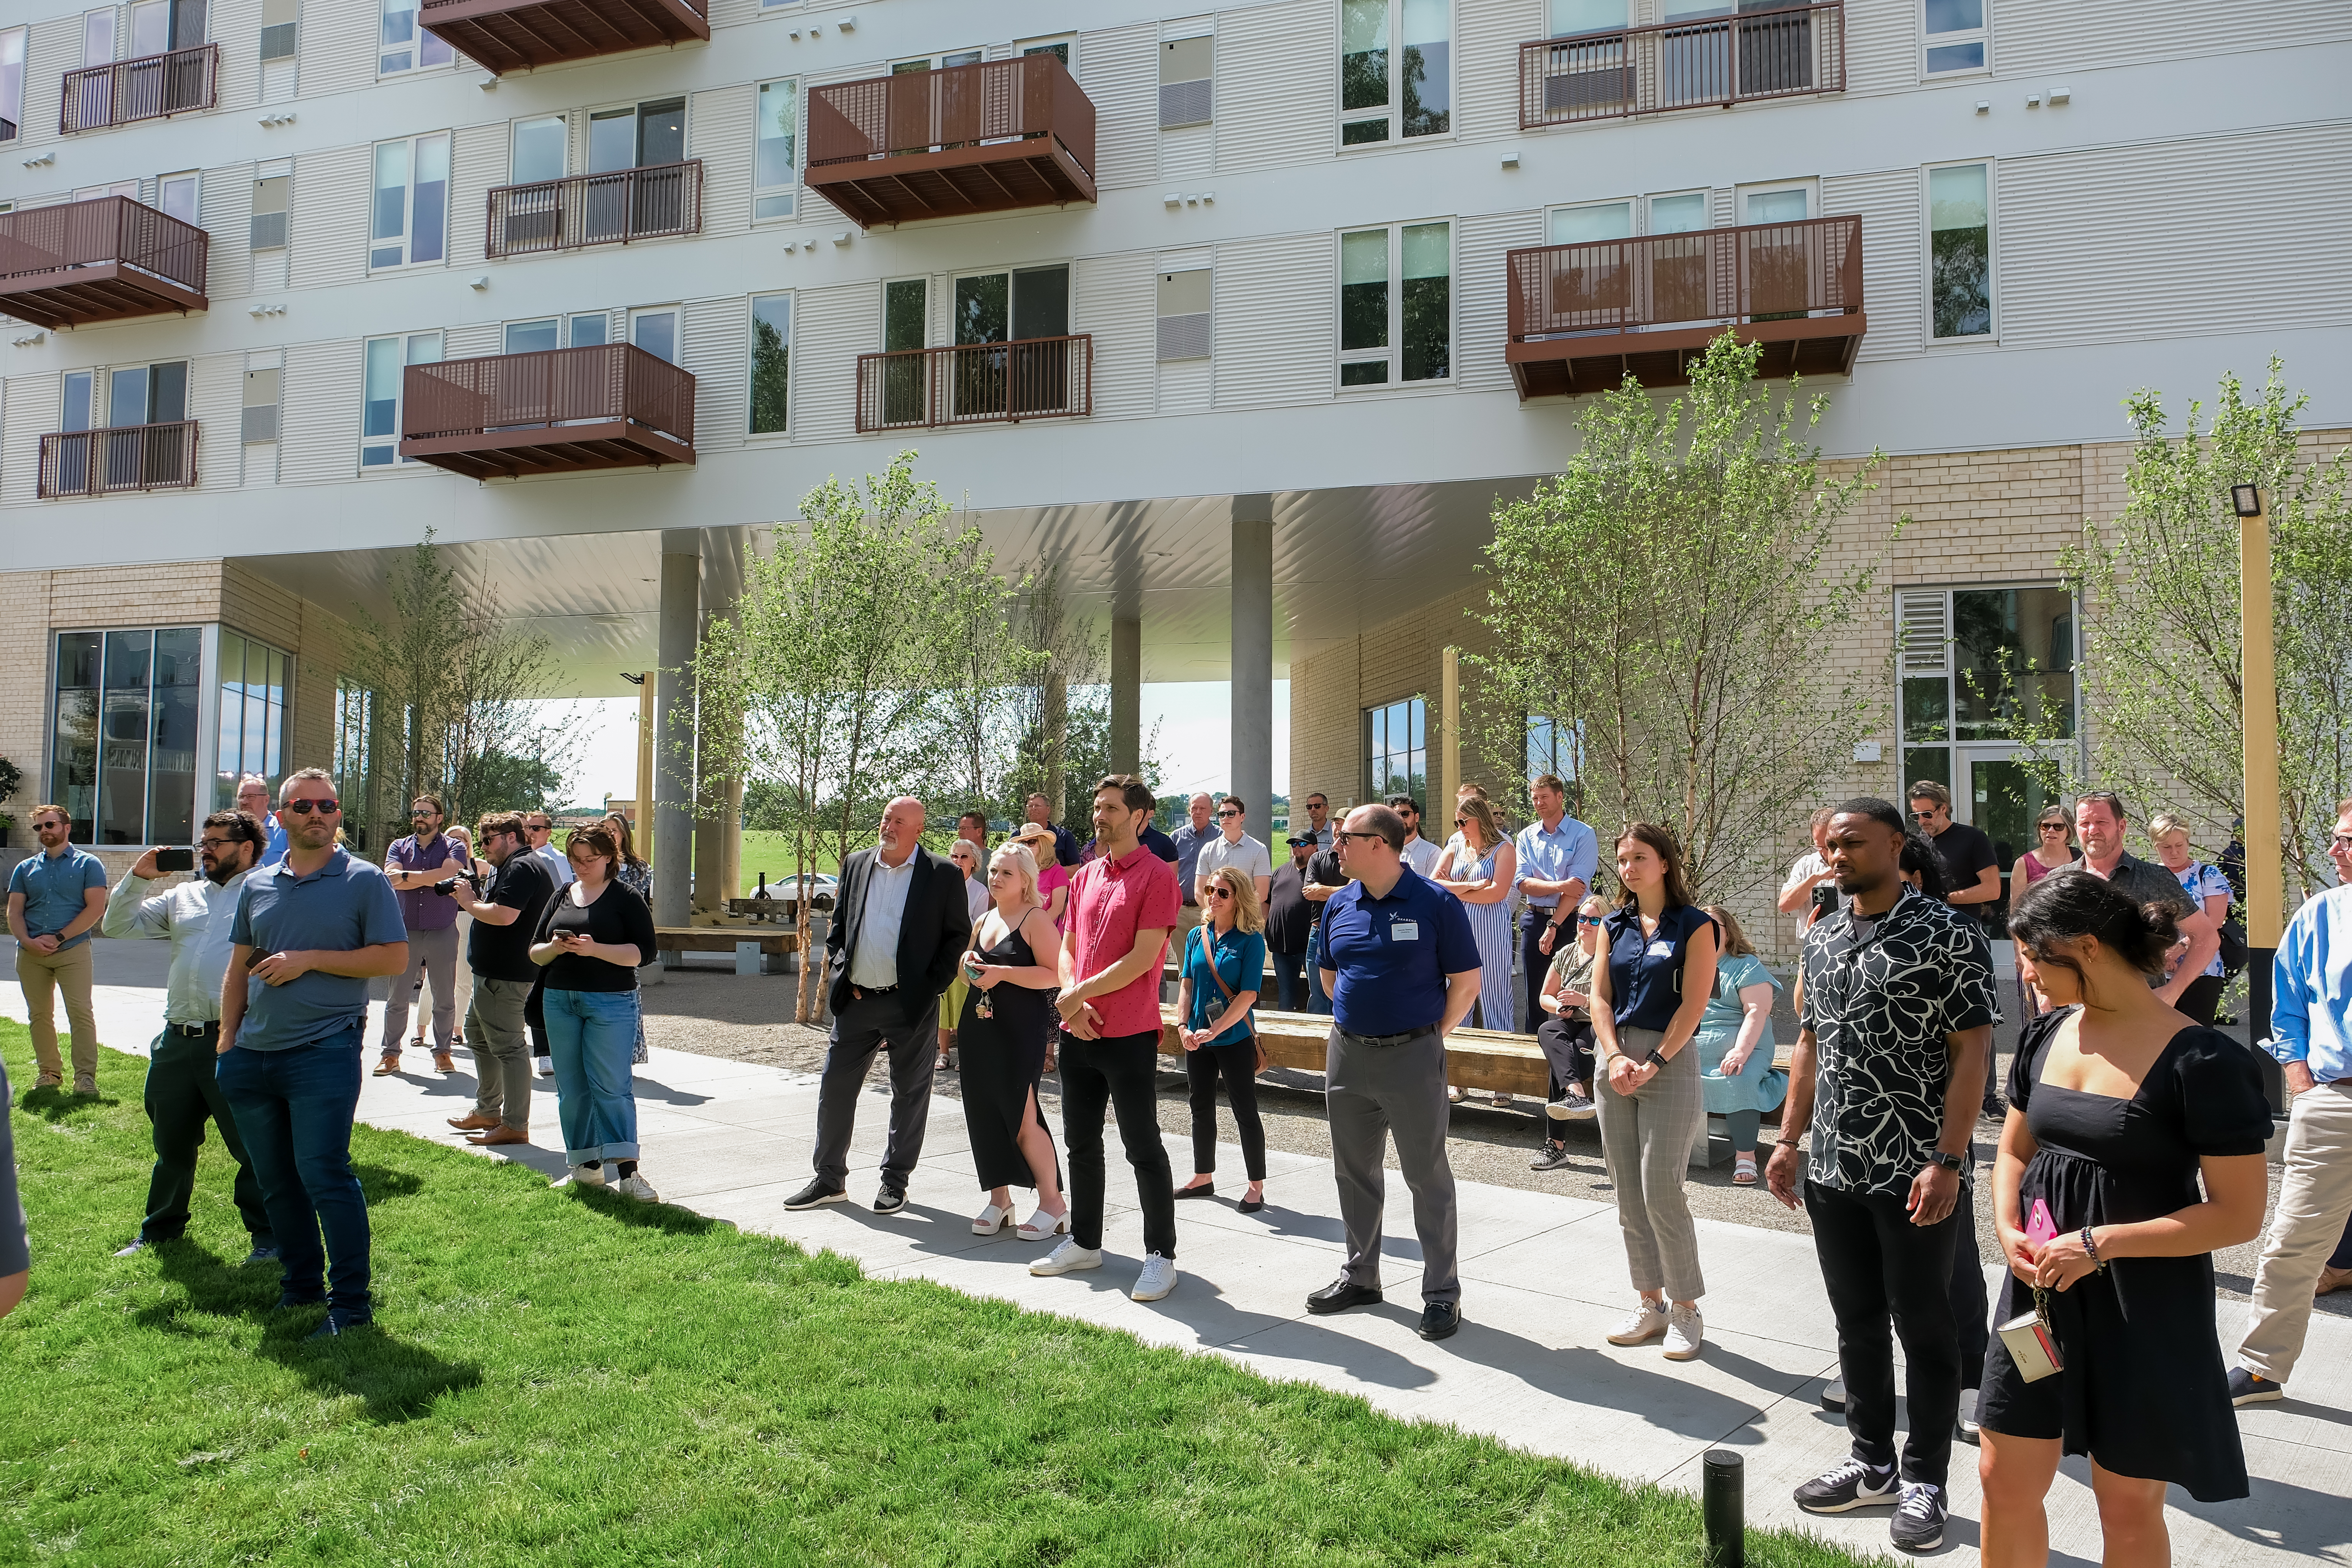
558 863
196 917
1421 855
875 966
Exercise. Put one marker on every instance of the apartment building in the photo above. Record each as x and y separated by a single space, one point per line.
1245 315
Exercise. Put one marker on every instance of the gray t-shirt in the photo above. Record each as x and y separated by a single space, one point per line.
1248 856
16 1250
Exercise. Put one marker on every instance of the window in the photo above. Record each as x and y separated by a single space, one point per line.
653 329
380 410
254 681
637 138
1569 17
772 363
269 212
98 37
538 153
1954 35
775 141
129 188
1000 307
1959 250
1058 48
1396 304
582 331
405 45
123 764
1684 212
1024 305
1593 222
906 306
278 28
937 62
175 196
1184 314
1554 749
1184 82
1983 664
1388 93
259 422
409 219
355 754
158 27
12 83
1396 750
1777 204
650 135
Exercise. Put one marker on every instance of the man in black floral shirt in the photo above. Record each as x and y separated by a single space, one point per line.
1896 1021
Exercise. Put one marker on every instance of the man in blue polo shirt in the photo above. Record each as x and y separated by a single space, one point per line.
291 1023
54 899
1402 968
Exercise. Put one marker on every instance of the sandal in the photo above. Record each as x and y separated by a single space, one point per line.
1041 1227
992 1221
1743 1170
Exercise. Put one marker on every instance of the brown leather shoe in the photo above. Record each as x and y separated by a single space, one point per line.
85 1083
387 1064
441 1062
2331 1280
492 1140
49 1081
473 1121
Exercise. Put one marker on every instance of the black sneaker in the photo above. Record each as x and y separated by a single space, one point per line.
338 1321
816 1193
1918 1523
890 1199
1847 1486
263 1252
1552 1158
2253 1388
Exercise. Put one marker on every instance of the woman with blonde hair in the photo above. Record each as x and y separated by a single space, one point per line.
1478 868
2202 997
1053 891
1011 973
1735 1045
1224 970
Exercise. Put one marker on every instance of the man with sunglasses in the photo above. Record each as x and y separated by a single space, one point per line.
182 1090
293 1023
538 832
56 899
1232 848
1971 869
416 865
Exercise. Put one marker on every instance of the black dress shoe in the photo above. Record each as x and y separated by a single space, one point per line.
1439 1319
1339 1295
1205 1190
1249 1206
815 1194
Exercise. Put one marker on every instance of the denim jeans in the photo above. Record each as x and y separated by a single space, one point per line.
1289 981
592 1034
1317 1003
293 1108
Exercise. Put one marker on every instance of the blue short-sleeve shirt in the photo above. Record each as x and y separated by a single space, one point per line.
54 886
345 904
1391 955
1238 957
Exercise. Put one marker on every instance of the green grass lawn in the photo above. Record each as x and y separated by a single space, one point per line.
765 849
577 1380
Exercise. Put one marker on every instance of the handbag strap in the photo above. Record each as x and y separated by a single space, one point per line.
1210 954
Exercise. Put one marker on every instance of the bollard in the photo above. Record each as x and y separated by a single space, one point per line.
1723 1500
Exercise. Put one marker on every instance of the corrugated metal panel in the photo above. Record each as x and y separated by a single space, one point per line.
717 351
52 47
1887 201
236 24
318 429
2083 34
732 14
1881 45
719 126
1122 79
34 407
1277 69
1486 66
1187 386
226 201
475 340
328 199
2129 242
1481 294
337 44
831 327
1275 301
215 401
1188 153
477 161
1115 297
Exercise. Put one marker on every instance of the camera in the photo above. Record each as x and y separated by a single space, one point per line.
449 885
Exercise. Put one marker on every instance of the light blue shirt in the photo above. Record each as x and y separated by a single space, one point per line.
345 905
2311 983
274 850
56 889
1569 852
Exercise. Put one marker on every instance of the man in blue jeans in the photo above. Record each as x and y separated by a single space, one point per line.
291 1023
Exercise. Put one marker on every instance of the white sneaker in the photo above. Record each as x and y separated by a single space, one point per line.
1685 1331
1041 1227
1647 1322
636 1186
543 1066
1069 1258
1159 1277
583 1176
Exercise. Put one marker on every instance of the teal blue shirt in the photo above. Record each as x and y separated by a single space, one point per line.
1240 957
53 886
345 904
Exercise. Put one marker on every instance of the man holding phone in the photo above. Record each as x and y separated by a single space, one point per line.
182 1092
55 900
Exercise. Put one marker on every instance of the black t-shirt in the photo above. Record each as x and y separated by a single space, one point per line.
1965 852
503 952
1289 917
617 916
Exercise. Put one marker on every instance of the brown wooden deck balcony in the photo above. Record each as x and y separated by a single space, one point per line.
126 458
977 384
986 138
552 411
99 260
149 88
596 209
1706 62
504 36
1584 317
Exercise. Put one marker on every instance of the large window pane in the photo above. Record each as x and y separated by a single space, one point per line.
122 739
532 337
172 760
539 149
1364 54
1428 301
1364 291
73 751
380 410
1959 242
432 203
984 309
388 222
775 146
1428 73
771 348
2014 650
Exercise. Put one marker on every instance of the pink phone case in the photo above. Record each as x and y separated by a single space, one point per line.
2039 1228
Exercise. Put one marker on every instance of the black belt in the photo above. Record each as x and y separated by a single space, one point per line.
193 1031
1386 1041
862 991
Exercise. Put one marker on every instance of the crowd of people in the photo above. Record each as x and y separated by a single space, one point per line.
2131 1141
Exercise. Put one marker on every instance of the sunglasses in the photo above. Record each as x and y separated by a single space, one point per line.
1590 920
1922 816
2053 827
323 807
1229 813
1345 834
421 816
1221 892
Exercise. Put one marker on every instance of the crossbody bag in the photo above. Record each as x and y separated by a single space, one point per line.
1249 1021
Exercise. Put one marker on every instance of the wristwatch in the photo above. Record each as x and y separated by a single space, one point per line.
1950 1162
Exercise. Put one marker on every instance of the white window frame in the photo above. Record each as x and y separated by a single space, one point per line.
414 46
1742 194
14 113
196 183
113 35
1393 354
1396 137
284 214
750 346
1980 35
1636 209
407 239
930 298
789 192
674 309
932 62
409 345
1022 47
514 130
1196 32
1644 202
1927 254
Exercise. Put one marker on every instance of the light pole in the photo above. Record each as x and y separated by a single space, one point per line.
2265 869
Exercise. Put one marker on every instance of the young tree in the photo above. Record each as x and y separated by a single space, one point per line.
1667 599
983 667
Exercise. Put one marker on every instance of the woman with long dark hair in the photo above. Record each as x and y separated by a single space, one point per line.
591 939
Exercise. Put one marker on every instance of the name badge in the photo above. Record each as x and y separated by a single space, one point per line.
1404 931
1662 949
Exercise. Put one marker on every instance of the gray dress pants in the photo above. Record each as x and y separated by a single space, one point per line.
433 957
865 1027
1645 1138
501 1046
1371 1094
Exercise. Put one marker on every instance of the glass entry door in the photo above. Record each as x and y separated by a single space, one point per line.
2002 795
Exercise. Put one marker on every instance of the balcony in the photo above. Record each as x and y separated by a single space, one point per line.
99 260
552 411
614 208
504 36
977 384
1583 317
127 458
1707 62
987 138
149 88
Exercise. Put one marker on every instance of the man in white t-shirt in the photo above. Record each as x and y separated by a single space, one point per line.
1811 871
1232 848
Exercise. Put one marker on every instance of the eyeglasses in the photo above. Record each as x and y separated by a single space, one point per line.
209 842
2341 841
328 807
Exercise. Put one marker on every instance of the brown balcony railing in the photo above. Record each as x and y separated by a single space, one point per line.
977 384
99 260
127 458
1583 316
1705 62
148 87
549 411
502 35
596 209
990 137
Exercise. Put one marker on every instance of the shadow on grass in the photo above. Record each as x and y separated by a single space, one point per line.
667 1218
380 1182
60 1104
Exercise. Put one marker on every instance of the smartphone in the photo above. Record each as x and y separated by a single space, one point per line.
257 955
175 859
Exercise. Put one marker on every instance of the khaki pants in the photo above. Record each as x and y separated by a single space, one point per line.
501 1048
2314 1195
67 971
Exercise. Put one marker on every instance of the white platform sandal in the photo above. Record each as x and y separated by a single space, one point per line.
1043 1226
992 1221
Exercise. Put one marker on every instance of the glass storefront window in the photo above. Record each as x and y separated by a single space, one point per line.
252 735
122 760
1397 750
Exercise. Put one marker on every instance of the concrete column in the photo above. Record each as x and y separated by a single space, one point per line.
641 824
673 813
1253 655
1126 696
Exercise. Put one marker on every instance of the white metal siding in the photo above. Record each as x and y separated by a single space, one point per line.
1122 79
1482 294
717 349
319 422
329 200
216 403
831 327
52 47
2087 34
719 124
227 207
1277 73
1187 386
35 406
1187 156
1276 304
1882 44
336 46
236 25
1115 297
1487 39
1893 235
474 340
477 161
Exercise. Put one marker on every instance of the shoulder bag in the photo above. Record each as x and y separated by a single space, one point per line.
1249 1020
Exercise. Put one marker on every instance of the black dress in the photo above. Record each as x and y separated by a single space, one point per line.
2144 1390
1003 1059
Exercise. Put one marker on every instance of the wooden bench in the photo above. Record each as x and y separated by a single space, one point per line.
758 951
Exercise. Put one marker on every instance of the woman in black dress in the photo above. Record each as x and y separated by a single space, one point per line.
1011 970
2117 1106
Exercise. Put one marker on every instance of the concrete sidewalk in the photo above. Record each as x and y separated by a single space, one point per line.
1543 1282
